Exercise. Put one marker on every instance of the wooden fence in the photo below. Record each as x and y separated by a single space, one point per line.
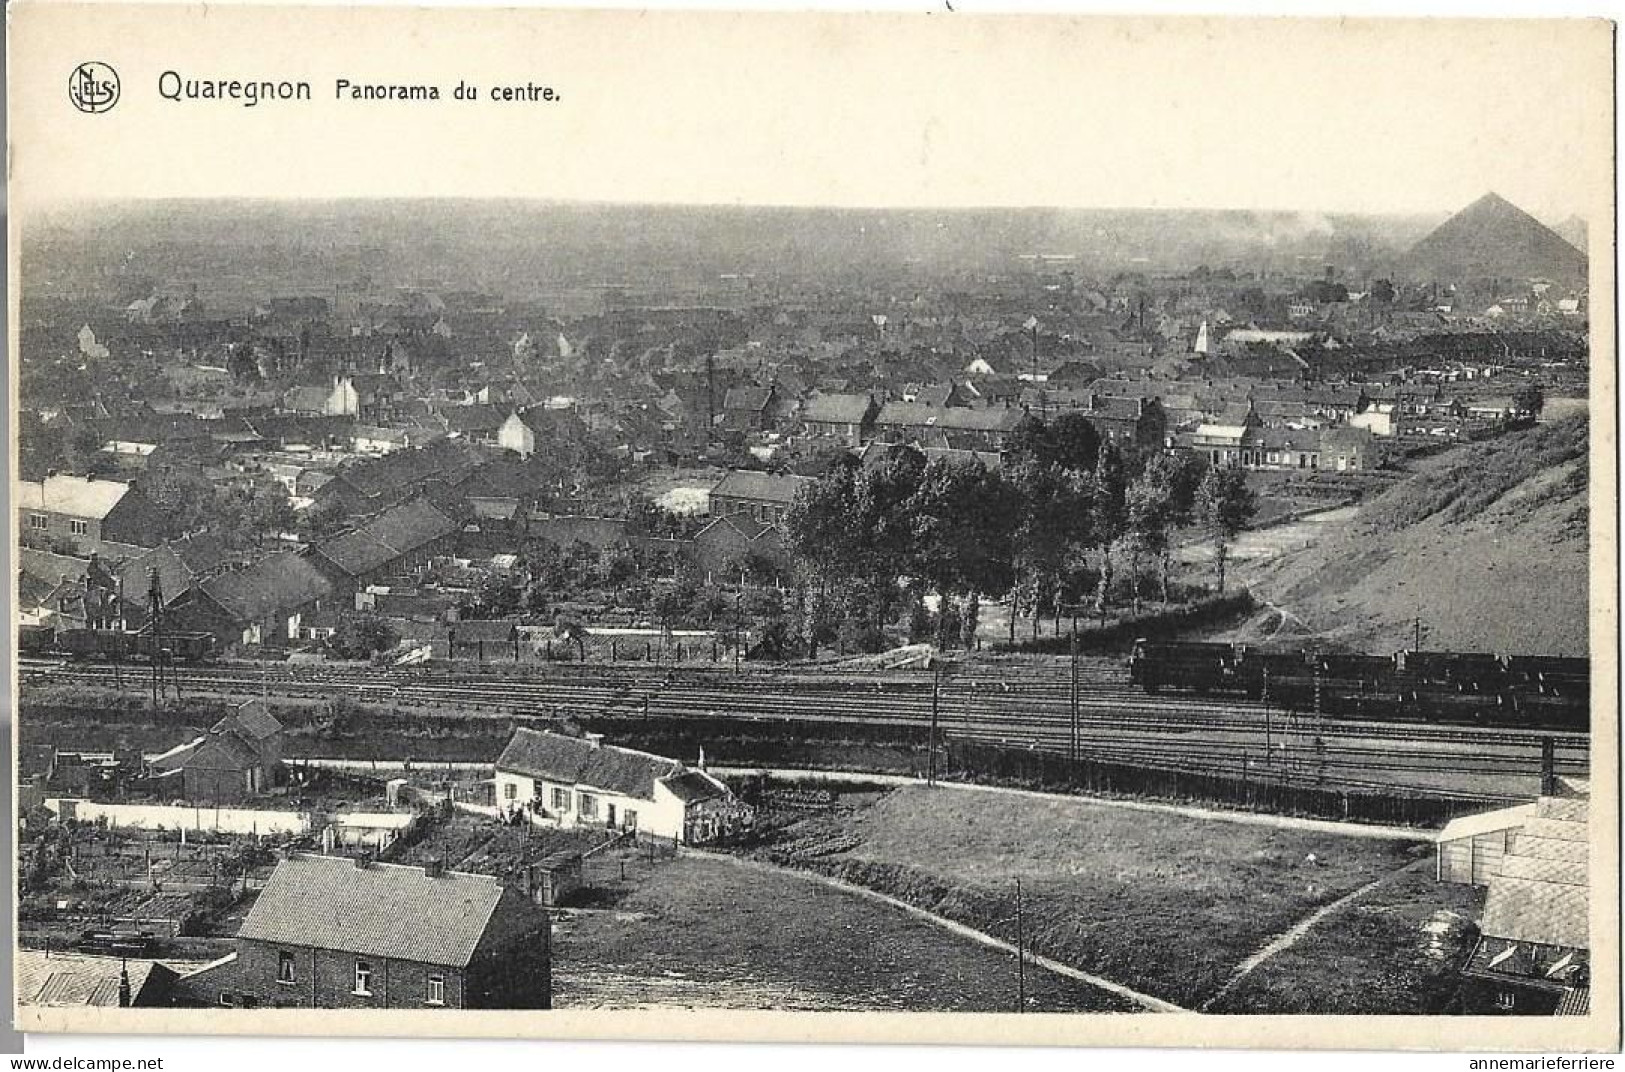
998 764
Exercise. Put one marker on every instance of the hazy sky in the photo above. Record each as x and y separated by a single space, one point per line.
940 110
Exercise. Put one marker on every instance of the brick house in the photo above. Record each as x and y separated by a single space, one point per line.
847 417
580 781
764 497
329 932
750 408
397 540
262 604
88 514
1347 448
240 756
977 429
728 542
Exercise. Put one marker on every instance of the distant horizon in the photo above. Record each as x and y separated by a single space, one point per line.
50 207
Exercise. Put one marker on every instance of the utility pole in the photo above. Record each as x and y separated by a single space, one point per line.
1417 645
1073 749
155 613
1265 696
1021 955
931 741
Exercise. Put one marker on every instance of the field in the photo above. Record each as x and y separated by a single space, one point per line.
711 934
1164 904
1395 951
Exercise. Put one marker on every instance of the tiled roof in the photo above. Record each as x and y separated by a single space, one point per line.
574 761
395 532
281 582
448 459
692 786
1115 408
759 487
382 910
74 979
954 418
252 720
1541 893
836 409
746 398
1576 1001
76 496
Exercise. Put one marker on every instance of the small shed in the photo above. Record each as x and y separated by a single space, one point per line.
370 830
1470 848
554 877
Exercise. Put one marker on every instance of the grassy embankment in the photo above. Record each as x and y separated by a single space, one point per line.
1487 544
1166 905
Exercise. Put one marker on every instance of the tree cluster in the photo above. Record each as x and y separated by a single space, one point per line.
1050 531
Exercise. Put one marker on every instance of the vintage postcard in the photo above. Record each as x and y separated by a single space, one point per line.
842 527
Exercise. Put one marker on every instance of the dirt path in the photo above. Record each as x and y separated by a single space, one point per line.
1253 818
1295 933
1145 1001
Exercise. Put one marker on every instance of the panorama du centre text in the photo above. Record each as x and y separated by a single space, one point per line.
178 87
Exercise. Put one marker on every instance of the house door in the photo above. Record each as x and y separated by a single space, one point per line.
609 814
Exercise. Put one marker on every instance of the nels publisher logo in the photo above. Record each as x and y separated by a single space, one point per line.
93 87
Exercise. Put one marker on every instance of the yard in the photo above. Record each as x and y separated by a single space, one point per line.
1161 903
703 933
484 847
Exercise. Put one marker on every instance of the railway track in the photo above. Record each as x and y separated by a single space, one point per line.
1105 698
1023 706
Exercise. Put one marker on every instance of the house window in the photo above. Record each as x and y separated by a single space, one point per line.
510 791
588 806
363 978
1506 999
561 800
38 522
284 967
630 819
77 527
437 990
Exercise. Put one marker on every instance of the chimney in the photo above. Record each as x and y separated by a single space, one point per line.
363 859
594 740
1548 767
434 867
125 998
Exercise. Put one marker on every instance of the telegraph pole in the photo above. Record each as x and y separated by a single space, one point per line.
1073 749
1021 955
931 742
155 612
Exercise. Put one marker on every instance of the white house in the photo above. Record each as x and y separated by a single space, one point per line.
581 781
1378 420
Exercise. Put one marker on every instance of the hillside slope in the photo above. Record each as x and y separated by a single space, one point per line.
1487 545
